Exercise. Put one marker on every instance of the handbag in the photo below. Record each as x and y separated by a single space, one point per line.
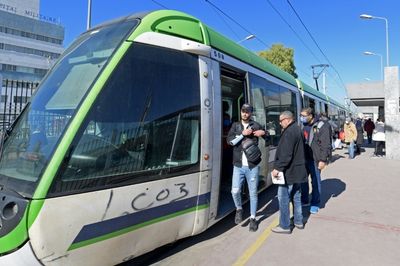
250 148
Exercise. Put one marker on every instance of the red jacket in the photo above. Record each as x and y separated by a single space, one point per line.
369 126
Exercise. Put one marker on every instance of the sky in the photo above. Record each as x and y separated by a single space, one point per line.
320 32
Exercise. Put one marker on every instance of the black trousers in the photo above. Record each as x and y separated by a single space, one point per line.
379 147
369 137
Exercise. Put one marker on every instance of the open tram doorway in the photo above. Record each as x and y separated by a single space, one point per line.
233 88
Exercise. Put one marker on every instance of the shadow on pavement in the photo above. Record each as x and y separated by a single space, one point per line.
331 187
336 157
268 205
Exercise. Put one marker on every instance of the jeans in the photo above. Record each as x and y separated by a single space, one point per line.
251 175
369 136
285 194
351 150
315 173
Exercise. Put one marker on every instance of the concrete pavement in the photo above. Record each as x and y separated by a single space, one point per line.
358 224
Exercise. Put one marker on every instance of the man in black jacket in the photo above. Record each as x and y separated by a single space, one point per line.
289 159
245 134
317 137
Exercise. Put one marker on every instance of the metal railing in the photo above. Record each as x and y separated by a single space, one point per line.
15 95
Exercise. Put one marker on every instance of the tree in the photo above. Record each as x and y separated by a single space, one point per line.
281 57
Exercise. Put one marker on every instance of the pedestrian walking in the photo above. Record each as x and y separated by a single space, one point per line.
243 136
360 133
350 136
369 127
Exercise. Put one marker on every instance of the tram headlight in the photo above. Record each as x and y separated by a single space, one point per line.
9 210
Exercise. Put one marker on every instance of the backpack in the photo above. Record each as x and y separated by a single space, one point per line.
250 148
319 126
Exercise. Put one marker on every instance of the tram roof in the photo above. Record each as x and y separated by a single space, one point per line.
176 23
179 24
307 88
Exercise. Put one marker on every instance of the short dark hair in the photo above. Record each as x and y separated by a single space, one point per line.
308 110
247 108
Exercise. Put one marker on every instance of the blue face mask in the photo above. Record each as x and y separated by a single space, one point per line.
303 120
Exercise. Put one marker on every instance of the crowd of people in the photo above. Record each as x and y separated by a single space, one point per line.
354 135
302 153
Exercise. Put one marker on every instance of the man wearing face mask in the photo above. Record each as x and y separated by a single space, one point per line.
318 149
350 135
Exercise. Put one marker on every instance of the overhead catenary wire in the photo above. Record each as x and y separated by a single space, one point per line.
293 30
161 5
220 11
315 42
236 22
225 22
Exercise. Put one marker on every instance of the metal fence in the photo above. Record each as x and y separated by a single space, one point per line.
15 95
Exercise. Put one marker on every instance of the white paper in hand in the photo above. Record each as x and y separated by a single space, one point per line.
278 180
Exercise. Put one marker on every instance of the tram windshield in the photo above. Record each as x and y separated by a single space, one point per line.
34 136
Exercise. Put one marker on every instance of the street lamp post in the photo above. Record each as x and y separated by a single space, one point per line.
365 16
89 14
252 36
371 53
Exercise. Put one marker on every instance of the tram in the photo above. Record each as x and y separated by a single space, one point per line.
121 150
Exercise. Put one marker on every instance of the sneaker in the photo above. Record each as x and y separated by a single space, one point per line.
314 209
299 226
239 216
253 226
280 230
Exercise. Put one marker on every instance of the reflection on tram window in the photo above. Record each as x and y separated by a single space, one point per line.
36 132
276 99
145 125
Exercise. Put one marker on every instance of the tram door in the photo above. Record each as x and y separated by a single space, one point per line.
232 97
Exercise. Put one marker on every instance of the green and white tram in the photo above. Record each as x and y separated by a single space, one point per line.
121 150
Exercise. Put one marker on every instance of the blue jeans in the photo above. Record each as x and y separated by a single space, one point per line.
286 193
351 149
315 173
239 173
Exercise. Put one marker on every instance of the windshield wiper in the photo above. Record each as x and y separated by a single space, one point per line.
6 131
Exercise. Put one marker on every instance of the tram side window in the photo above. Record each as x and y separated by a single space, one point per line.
269 100
288 101
269 93
143 126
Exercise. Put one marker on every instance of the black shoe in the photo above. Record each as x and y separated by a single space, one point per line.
239 216
253 226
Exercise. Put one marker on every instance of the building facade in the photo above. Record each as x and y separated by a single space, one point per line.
369 97
30 43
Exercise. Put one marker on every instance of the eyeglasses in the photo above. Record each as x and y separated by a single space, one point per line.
280 120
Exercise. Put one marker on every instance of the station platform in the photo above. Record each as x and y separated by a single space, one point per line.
358 224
